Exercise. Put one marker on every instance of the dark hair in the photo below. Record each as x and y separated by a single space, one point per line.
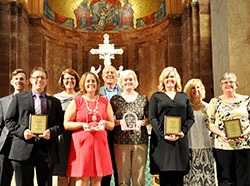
82 83
72 73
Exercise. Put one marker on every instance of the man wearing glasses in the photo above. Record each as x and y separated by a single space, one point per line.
34 150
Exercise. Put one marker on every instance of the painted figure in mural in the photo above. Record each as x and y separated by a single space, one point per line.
82 14
105 14
127 15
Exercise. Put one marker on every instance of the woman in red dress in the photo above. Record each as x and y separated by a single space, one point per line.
89 116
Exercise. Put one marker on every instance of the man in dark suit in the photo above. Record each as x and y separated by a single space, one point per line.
29 151
110 88
19 82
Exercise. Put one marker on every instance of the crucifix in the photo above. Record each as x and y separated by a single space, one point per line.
106 51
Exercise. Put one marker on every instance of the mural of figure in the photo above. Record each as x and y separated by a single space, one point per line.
105 14
127 15
82 14
97 8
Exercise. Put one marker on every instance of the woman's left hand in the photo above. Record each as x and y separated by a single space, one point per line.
101 125
246 132
174 137
138 125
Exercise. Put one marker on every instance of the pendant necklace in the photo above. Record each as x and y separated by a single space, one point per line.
96 106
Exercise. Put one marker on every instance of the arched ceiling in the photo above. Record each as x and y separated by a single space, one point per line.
145 10
141 8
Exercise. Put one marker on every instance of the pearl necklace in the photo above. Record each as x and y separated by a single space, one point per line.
96 106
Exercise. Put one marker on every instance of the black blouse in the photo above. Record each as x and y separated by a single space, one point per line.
167 155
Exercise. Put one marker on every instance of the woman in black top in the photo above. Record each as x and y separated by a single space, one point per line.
169 154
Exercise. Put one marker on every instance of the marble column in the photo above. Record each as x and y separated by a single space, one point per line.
230 25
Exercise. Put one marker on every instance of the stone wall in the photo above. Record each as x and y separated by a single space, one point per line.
174 41
14 42
196 44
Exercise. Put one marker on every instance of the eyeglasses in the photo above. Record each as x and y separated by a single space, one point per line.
227 82
39 77
69 79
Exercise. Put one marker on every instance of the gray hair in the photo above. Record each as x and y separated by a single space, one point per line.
230 75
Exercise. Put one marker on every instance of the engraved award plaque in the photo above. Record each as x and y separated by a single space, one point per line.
38 123
233 128
172 125
131 120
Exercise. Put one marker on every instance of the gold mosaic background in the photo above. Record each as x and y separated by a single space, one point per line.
141 8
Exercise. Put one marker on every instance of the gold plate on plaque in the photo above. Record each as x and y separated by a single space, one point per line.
233 128
38 123
172 125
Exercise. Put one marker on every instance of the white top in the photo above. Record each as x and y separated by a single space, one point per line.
65 98
199 134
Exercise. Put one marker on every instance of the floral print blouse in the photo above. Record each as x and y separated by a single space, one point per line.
140 108
220 110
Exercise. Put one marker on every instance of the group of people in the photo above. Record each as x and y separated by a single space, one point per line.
94 132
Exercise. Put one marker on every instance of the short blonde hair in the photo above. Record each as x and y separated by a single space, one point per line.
83 80
164 74
229 75
124 74
191 83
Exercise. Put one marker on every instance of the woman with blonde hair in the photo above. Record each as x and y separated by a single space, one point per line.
89 115
169 153
201 162
130 134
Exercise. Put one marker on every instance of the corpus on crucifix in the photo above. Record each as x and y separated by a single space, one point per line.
106 51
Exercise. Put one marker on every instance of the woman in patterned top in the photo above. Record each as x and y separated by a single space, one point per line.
202 161
232 155
130 144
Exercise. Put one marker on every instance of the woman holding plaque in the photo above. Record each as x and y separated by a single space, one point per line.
130 133
201 162
226 113
89 115
69 83
170 108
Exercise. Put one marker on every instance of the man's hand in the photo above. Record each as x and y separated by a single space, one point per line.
45 135
28 134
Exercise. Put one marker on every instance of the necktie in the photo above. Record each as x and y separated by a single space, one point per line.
38 108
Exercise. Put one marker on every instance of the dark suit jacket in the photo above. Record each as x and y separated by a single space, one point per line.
17 121
4 105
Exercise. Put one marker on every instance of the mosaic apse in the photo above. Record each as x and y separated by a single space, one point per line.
105 14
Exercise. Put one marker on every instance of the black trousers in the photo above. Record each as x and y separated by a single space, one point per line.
24 170
171 178
6 170
233 167
106 179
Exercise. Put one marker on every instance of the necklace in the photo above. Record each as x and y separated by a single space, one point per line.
96 106
197 104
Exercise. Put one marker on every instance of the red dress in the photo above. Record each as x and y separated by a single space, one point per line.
89 152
